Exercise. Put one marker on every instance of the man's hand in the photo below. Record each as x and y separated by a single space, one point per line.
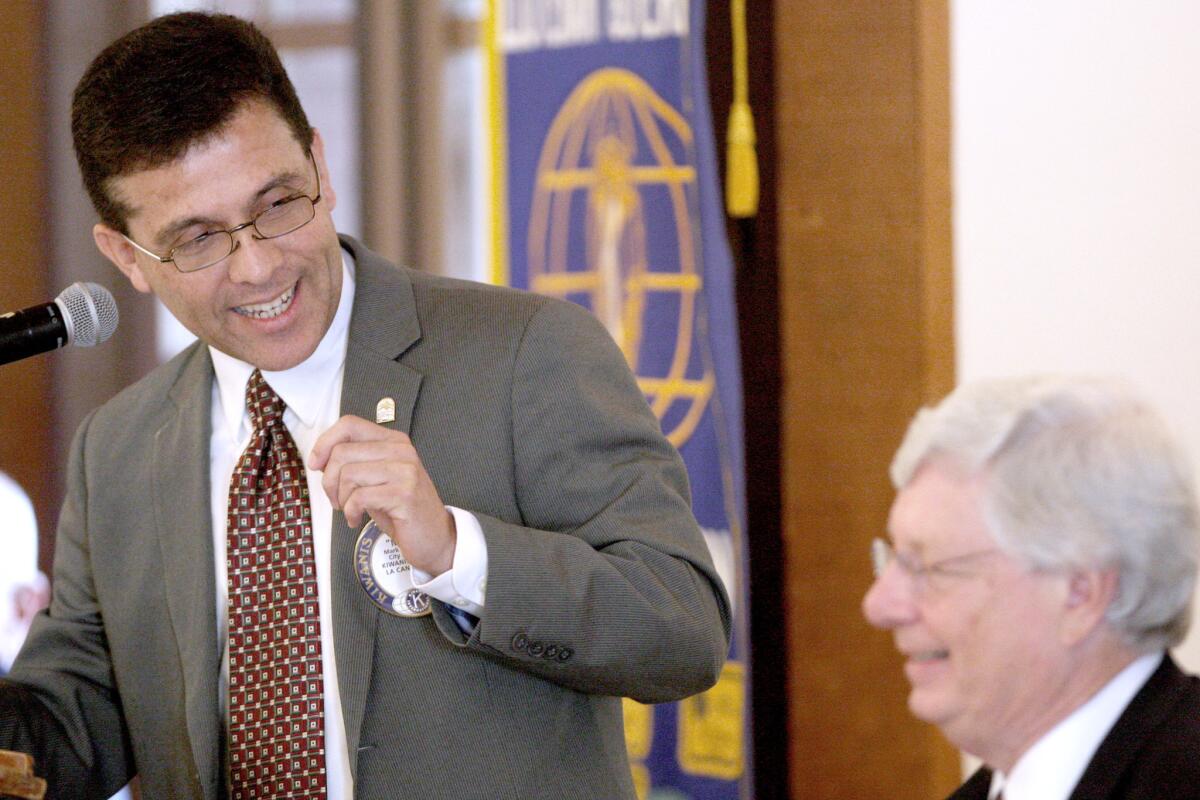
373 470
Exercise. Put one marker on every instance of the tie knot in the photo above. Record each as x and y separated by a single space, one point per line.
265 407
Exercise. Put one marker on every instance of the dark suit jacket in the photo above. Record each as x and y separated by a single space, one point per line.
524 412
1151 753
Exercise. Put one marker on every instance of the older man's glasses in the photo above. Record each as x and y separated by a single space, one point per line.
923 575
283 217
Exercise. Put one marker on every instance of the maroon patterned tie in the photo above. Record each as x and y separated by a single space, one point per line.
276 711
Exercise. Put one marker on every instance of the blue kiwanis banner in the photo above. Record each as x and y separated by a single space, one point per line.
605 193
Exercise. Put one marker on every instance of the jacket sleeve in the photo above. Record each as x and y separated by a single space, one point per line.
606 585
59 703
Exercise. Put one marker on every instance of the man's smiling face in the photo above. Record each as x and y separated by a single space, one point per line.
980 636
269 302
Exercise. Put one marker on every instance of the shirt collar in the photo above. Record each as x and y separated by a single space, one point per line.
1056 762
294 386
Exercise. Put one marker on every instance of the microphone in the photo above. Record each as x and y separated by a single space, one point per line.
85 314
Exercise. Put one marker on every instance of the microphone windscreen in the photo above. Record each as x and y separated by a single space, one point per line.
89 312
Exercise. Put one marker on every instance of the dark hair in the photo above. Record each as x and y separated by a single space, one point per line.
159 89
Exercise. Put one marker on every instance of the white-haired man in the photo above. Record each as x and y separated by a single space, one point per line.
1042 558
23 589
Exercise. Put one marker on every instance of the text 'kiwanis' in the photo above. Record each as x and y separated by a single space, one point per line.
552 24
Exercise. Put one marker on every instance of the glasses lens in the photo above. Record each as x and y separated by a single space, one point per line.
203 251
284 217
881 555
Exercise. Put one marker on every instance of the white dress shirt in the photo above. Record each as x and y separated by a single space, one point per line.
312 393
1053 766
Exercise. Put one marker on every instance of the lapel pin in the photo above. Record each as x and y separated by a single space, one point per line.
385 411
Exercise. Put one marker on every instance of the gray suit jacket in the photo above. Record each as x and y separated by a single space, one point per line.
523 411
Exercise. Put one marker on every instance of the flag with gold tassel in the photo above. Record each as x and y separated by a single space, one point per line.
741 160
605 192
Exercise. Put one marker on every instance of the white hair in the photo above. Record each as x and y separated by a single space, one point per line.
19 534
1080 474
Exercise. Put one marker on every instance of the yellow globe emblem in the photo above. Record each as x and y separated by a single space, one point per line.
609 156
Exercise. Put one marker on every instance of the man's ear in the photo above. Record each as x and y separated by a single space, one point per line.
1089 594
117 249
318 151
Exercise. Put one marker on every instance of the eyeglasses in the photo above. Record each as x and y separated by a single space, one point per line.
283 217
922 575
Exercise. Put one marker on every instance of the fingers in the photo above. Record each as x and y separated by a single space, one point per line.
349 429
356 453
381 489
370 470
352 465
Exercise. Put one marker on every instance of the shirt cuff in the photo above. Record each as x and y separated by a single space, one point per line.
465 584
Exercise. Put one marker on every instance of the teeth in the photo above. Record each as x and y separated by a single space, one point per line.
271 309
929 655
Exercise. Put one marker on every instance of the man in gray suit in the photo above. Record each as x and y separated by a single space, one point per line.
496 437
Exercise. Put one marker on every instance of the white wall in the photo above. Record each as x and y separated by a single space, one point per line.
1077 196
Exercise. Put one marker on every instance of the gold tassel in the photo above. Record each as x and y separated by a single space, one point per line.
741 160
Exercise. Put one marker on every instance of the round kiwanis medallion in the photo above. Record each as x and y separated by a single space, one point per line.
385 576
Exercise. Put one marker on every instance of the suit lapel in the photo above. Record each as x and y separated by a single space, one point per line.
1144 713
383 326
182 515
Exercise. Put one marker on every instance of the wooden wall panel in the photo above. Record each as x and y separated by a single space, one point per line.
45 233
862 133
25 418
